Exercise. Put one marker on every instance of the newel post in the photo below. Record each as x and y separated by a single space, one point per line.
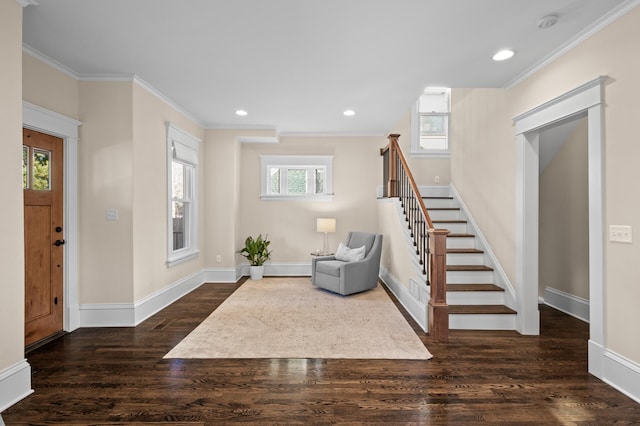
438 308
392 188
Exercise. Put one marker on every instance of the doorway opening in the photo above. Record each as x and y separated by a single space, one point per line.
585 100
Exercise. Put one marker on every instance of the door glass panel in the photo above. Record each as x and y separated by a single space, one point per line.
41 170
25 167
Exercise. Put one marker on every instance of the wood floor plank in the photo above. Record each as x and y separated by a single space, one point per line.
117 376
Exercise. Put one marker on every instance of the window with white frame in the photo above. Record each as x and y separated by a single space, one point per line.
286 177
182 173
430 123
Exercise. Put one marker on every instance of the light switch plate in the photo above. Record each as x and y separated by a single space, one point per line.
112 214
620 233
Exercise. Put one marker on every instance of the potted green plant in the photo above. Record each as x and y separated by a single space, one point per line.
257 252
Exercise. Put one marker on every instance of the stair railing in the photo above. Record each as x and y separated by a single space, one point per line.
430 243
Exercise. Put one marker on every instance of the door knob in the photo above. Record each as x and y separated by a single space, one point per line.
58 243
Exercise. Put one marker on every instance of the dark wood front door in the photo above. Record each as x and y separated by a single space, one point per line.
42 178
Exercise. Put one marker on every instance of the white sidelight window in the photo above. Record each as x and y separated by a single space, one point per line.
430 123
287 177
182 172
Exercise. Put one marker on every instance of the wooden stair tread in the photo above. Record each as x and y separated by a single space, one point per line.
473 287
480 309
460 236
437 198
443 208
464 251
474 268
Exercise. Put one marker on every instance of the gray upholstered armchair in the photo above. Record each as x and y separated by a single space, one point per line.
350 277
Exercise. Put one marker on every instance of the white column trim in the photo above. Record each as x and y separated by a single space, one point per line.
43 120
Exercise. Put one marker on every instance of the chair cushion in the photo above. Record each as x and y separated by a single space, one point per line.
347 254
329 267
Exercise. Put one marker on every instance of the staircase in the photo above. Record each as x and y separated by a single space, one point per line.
476 300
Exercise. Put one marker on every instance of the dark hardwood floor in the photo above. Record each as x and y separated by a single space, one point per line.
117 376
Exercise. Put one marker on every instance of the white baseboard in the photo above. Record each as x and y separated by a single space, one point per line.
15 384
622 374
280 269
157 301
132 314
214 275
107 315
414 307
569 304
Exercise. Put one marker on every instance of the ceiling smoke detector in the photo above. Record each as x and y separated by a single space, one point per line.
547 21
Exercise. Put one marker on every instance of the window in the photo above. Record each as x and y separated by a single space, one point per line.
430 123
297 177
182 163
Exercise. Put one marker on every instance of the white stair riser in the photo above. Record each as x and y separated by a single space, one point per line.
444 214
475 298
461 242
439 202
454 228
469 277
482 322
465 259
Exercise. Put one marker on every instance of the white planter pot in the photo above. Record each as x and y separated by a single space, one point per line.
256 272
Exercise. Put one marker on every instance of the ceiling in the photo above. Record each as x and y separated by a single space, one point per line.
296 65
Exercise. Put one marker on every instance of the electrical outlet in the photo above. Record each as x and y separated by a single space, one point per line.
218 258
436 179
620 233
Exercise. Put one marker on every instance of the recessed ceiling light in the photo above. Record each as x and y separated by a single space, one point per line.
241 112
349 113
503 55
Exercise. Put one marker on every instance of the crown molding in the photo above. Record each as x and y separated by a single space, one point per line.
25 3
49 61
615 13
110 78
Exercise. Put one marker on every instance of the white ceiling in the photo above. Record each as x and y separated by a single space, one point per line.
296 65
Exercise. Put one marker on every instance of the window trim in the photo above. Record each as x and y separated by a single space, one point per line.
186 150
296 161
418 152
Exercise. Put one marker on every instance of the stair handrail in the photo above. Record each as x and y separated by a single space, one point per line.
430 243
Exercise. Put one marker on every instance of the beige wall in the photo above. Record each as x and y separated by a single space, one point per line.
291 225
149 180
611 52
396 254
221 197
12 251
49 88
105 181
424 170
564 218
483 165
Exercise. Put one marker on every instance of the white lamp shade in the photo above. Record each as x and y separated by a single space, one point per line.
326 224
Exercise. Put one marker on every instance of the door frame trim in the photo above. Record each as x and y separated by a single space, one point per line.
43 120
586 98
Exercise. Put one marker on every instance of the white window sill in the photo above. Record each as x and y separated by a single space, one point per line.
324 197
181 257
430 154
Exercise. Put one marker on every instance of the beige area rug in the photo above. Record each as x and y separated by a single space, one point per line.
290 318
